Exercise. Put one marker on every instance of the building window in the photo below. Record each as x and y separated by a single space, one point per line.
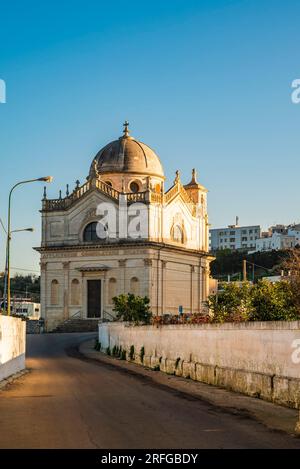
232 240
244 238
134 286
54 292
177 234
90 232
112 289
75 292
232 233
134 187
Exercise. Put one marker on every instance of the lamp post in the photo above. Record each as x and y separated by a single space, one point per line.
9 232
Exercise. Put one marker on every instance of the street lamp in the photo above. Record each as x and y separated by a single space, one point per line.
5 276
9 232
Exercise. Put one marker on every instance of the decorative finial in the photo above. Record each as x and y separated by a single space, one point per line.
77 184
126 129
94 171
194 176
45 193
177 177
59 195
67 191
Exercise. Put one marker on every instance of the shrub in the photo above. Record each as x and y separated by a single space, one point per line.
97 345
142 354
132 308
272 302
123 355
131 352
108 352
263 301
233 303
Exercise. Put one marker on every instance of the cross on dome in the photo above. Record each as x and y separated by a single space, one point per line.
126 129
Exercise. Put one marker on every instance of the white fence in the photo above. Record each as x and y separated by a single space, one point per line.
12 346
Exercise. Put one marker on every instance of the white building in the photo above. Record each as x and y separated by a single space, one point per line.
294 230
26 308
83 267
275 242
279 237
234 237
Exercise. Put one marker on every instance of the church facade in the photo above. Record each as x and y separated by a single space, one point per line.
122 232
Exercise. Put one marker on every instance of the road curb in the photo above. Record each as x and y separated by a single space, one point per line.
10 379
273 416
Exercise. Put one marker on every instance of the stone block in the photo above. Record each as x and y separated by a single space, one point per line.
163 365
147 361
205 373
247 382
186 369
178 367
170 366
154 362
286 391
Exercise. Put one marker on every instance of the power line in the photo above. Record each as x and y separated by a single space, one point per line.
25 270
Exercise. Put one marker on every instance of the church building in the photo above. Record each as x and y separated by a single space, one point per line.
121 231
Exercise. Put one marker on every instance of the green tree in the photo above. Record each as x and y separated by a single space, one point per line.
273 301
132 308
232 303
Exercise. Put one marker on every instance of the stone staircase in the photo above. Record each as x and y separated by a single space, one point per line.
77 325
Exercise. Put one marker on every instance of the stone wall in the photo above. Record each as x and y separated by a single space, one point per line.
12 346
260 359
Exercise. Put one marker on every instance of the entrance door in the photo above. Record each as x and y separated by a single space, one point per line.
94 298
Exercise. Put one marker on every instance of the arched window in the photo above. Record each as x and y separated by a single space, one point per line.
177 234
54 292
108 183
134 286
112 289
75 292
134 187
90 233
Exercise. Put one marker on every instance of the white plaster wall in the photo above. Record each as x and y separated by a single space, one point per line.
12 346
260 347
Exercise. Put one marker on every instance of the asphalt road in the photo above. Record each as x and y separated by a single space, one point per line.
67 402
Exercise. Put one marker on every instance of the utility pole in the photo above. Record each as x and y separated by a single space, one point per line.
244 270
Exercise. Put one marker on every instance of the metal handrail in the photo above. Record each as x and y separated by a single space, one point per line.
110 317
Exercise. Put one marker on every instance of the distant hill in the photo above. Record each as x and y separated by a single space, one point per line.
231 263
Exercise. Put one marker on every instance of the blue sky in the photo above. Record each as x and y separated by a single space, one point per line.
207 84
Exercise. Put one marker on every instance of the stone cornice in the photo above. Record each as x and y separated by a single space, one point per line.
116 246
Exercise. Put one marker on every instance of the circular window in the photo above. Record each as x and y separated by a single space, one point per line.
134 187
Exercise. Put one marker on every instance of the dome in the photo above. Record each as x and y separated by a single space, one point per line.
127 155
